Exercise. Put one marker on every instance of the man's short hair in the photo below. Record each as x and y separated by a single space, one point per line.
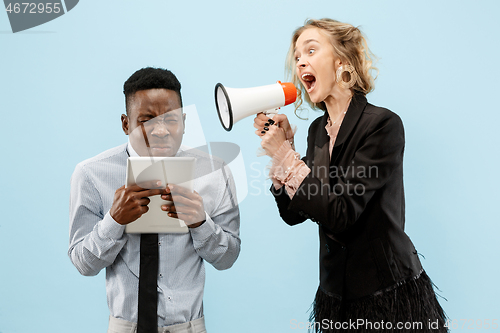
150 78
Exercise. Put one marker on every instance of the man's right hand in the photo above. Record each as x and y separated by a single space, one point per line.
131 202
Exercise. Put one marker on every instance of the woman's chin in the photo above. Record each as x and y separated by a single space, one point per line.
315 96
315 99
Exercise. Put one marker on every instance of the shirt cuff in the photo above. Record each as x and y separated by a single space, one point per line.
201 233
279 162
109 228
287 169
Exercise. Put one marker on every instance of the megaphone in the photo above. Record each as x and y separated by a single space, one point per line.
234 104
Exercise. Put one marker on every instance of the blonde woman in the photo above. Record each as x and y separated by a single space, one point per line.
351 184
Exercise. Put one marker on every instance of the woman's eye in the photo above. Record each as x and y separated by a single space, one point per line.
297 59
311 51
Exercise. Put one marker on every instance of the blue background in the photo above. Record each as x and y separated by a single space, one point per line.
61 100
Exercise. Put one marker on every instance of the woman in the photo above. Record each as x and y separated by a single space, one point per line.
351 184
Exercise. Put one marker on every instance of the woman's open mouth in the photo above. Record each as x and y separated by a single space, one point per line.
309 81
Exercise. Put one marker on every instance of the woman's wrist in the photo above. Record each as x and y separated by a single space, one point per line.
281 153
283 161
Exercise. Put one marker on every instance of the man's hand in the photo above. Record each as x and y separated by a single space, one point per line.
131 202
185 205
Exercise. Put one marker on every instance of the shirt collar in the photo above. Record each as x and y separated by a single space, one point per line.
131 151
354 111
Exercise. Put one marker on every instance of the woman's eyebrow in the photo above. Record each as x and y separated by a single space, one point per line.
306 42
310 40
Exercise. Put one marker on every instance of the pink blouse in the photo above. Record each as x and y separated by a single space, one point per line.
288 169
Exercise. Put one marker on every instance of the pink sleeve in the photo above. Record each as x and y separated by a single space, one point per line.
288 169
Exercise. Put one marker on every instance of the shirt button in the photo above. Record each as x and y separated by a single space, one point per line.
161 275
169 298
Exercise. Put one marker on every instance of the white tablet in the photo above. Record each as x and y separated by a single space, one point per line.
169 170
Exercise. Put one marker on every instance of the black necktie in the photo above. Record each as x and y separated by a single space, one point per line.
147 321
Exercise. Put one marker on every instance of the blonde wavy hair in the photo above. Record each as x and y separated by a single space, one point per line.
349 44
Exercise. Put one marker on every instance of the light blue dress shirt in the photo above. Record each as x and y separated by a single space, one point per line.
97 241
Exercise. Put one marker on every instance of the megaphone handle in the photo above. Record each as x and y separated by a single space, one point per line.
270 113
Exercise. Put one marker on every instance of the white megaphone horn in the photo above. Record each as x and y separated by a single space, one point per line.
234 104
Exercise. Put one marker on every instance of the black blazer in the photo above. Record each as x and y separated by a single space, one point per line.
357 199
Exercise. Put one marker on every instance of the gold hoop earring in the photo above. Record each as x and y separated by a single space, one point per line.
352 74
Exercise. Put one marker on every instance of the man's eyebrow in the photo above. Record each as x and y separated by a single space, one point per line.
307 42
170 113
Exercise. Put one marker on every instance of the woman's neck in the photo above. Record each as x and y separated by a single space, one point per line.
338 102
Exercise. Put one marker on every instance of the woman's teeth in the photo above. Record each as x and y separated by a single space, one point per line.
307 77
309 80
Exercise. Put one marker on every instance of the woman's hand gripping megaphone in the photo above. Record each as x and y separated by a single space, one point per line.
274 130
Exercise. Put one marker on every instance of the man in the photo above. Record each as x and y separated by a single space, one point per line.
101 207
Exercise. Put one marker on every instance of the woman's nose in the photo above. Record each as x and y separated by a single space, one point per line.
301 63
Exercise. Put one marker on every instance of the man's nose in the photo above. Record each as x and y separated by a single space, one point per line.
160 129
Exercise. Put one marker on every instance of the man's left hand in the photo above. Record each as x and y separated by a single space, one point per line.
185 205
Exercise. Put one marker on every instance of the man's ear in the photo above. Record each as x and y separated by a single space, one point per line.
125 124
183 123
